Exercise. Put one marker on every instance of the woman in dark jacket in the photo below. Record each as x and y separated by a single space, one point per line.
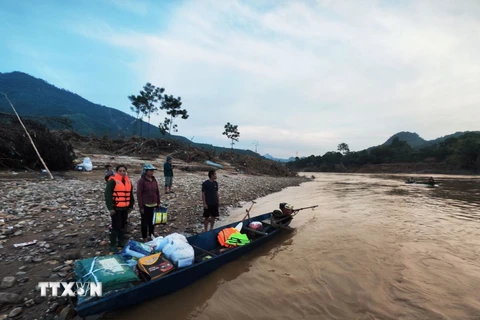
148 198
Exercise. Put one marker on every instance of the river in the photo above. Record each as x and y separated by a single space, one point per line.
375 248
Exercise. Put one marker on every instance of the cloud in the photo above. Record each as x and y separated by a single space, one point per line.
309 75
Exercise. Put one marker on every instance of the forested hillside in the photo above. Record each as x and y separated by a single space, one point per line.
458 152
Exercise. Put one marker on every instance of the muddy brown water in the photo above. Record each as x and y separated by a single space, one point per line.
375 248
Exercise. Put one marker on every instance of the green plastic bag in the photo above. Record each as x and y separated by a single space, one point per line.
112 271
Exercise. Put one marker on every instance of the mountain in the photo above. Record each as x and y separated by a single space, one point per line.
278 159
34 97
415 141
57 108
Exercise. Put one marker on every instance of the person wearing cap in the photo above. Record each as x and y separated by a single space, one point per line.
109 172
284 214
168 174
148 198
119 201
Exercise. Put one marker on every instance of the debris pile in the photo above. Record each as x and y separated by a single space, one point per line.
254 166
17 152
146 148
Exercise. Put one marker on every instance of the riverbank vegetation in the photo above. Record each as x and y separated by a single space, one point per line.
460 153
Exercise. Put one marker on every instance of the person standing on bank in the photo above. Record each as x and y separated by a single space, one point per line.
119 200
168 174
108 172
148 197
211 199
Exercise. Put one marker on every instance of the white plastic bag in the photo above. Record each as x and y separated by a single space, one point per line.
87 164
155 242
174 245
177 236
161 244
171 246
176 248
183 257
168 239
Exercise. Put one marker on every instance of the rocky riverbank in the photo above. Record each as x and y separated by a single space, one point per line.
68 220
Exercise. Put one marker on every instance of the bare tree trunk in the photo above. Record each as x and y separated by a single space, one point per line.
136 123
29 137
148 128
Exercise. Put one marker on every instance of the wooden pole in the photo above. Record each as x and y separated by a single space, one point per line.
203 250
29 137
248 211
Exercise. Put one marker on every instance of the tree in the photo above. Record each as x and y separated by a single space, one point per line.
343 148
145 103
173 106
469 151
231 131
154 95
137 110
164 126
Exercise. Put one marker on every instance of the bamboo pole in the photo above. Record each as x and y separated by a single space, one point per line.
29 137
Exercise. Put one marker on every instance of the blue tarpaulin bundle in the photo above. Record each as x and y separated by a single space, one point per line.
213 164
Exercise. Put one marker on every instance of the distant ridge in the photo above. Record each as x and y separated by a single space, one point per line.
415 141
268 156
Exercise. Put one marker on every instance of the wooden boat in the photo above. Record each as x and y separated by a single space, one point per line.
423 183
204 244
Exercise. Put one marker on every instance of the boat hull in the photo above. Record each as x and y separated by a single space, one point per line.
180 278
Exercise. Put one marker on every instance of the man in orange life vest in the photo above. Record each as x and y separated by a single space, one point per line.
119 201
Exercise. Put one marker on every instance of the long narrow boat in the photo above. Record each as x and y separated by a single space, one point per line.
422 183
204 244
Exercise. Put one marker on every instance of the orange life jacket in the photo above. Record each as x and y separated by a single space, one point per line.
224 235
121 192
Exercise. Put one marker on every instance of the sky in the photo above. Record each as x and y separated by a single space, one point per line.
296 77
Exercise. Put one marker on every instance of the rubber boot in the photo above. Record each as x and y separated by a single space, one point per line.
121 239
126 230
113 241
